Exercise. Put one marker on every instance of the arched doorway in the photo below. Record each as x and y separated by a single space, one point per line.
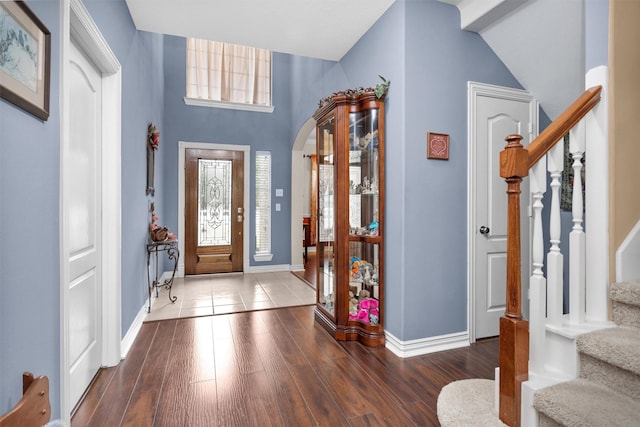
298 181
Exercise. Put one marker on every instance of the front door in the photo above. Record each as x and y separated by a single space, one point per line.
84 223
214 211
498 112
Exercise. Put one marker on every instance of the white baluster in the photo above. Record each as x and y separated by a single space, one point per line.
537 283
577 261
555 263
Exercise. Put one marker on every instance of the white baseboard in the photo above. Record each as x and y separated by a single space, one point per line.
299 267
267 268
422 346
132 333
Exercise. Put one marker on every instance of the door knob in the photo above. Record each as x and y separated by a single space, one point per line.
484 230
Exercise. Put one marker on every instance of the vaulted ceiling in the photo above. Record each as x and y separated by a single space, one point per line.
540 41
324 29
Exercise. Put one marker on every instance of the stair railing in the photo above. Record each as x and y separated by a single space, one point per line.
515 163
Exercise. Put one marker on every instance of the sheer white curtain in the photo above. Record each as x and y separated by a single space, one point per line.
229 73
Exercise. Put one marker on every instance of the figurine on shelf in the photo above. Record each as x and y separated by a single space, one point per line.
373 187
373 228
329 302
360 269
365 311
367 275
371 307
158 233
353 304
364 141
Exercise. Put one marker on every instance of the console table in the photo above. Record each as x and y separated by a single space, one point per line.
173 253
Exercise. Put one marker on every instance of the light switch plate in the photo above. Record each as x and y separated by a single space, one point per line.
279 192
277 207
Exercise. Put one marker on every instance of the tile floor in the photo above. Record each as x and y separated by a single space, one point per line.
207 295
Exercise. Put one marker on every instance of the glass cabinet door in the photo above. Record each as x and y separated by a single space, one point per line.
326 216
364 226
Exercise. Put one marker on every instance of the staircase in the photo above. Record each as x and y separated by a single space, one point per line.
607 390
568 364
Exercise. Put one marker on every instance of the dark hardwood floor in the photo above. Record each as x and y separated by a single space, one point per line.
271 368
309 274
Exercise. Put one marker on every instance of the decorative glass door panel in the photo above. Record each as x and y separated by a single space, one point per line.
214 202
326 216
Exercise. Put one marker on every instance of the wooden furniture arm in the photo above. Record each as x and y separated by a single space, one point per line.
34 408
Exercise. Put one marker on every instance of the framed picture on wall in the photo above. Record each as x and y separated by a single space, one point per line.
437 146
25 58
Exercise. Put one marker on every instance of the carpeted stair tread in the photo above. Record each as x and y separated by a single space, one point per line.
626 292
618 346
583 403
468 403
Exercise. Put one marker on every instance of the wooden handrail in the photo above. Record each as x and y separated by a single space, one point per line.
560 126
515 162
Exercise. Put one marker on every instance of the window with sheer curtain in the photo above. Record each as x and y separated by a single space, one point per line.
227 75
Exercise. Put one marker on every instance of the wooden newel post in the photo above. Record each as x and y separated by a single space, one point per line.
514 331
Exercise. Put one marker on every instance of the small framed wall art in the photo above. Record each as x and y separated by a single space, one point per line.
437 146
25 58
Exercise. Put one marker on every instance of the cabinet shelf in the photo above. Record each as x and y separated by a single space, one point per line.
350 208
365 239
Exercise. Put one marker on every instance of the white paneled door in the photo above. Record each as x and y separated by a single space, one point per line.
498 112
84 223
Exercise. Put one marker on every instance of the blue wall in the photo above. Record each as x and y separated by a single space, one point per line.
29 206
311 80
419 45
29 232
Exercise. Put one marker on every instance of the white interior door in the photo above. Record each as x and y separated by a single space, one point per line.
498 112
84 235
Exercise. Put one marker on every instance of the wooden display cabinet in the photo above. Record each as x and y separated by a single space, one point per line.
350 216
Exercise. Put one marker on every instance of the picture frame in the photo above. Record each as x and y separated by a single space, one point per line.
437 146
25 59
